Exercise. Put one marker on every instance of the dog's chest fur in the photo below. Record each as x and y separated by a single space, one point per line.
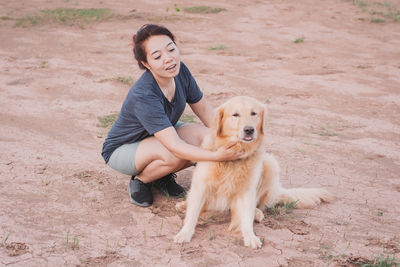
229 180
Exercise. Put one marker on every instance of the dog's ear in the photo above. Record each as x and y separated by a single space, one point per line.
217 123
264 115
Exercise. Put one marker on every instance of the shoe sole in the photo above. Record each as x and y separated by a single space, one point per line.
144 204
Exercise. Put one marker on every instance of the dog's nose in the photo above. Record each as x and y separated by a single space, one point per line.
248 130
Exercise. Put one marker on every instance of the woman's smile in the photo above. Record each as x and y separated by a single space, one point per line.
171 68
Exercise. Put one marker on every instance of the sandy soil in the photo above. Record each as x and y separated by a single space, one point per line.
334 102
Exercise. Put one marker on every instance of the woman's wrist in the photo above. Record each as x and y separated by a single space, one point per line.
214 156
208 155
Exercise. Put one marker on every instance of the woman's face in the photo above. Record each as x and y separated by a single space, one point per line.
162 55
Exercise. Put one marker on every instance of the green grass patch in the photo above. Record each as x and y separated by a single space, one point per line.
281 208
377 20
380 261
128 80
74 245
361 4
325 131
299 40
5 18
290 206
387 11
385 261
107 120
28 20
65 16
217 47
380 12
177 9
187 118
5 240
44 65
391 12
125 80
83 176
203 9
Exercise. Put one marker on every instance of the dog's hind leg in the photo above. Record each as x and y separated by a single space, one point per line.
270 191
180 206
258 215
269 188
194 203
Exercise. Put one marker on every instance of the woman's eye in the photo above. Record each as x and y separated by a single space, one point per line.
235 114
157 57
172 50
253 113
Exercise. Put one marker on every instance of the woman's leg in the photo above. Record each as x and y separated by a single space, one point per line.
192 133
154 161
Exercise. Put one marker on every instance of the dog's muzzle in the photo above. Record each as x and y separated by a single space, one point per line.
248 133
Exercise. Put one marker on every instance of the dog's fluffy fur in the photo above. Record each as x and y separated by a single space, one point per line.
245 186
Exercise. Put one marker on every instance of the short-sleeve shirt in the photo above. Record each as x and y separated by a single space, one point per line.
146 110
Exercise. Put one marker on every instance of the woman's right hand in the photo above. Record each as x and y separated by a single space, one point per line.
228 152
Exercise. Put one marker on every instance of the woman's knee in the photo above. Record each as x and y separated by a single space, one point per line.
173 161
151 151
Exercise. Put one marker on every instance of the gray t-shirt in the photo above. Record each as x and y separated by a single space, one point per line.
146 111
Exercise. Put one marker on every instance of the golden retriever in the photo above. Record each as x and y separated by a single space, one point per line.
244 186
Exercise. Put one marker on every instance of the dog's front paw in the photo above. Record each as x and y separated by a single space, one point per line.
183 236
252 242
258 215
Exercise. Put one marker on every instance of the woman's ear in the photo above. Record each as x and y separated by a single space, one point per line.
145 64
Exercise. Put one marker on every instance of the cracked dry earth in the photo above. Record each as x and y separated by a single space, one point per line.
334 105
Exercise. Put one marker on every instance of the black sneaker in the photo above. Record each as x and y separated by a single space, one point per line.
168 186
140 193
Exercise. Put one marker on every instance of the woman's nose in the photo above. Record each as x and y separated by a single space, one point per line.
168 58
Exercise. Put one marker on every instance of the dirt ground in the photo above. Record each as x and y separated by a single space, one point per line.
328 71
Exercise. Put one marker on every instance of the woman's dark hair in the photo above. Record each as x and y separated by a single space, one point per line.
142 35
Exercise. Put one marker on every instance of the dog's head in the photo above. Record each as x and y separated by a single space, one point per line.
240 119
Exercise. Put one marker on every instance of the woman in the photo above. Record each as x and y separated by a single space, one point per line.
146 141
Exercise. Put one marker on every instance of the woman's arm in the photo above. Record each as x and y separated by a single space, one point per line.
204 111
171 140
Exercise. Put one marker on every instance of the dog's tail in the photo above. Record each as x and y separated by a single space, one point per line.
305 197
272 192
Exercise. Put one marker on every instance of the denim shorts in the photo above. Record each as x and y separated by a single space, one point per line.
123 158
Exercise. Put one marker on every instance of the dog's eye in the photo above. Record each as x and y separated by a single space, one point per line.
253 113
235 114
